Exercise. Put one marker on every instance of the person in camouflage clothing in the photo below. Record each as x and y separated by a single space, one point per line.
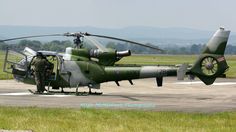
40 65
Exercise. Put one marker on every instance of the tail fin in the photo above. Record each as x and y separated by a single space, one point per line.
211 63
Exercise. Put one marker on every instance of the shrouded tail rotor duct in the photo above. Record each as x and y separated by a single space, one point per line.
123 53
209 66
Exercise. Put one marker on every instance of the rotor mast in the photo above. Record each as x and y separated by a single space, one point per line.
77 41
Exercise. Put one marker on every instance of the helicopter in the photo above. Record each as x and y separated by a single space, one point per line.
84 65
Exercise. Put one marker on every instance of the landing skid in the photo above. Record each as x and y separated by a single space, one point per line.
65 93
76 93
87 93
43 93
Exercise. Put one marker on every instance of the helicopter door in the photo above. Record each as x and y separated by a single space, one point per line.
15 63
54 60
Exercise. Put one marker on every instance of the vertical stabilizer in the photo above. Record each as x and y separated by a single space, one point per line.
217 44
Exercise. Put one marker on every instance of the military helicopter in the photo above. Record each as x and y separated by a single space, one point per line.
86 66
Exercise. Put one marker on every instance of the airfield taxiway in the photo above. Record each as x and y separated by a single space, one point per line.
188 96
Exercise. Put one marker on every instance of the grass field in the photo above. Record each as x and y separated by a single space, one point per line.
3 75
73 120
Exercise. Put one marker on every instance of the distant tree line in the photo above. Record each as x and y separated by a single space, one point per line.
60 46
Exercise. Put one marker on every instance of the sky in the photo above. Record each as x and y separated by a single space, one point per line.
197 14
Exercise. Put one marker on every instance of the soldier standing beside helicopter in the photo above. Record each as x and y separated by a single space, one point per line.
40 64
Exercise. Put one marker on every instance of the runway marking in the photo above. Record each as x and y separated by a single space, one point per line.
187 83
28 93
199 82
225 83
16 94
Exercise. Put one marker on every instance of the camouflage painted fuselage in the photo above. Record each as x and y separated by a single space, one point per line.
90 73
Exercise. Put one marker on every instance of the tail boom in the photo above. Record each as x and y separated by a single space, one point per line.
129 73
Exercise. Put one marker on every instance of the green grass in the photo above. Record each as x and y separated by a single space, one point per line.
3 75
60 120
231 60
158 59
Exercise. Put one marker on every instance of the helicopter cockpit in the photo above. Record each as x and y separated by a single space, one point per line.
19 64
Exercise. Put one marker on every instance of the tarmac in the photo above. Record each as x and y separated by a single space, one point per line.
184 96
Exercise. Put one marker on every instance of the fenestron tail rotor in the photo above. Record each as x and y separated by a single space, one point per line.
209 66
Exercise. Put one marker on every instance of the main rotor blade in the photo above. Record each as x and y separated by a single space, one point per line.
35 36
108 37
